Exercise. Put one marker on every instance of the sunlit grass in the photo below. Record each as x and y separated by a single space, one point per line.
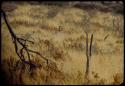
65 47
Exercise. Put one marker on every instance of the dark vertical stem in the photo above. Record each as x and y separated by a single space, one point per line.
87 44
91 45
87 68
87 63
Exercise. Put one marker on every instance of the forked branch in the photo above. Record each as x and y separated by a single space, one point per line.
88 54
23 42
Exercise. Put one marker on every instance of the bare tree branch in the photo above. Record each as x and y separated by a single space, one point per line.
23 43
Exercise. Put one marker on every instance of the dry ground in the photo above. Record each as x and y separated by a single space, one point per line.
66 47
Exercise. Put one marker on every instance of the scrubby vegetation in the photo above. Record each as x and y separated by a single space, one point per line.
59 35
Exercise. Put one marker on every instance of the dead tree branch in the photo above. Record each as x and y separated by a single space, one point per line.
23 42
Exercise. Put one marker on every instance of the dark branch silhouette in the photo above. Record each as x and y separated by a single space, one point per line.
23 42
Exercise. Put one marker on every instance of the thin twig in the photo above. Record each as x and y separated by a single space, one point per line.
106 37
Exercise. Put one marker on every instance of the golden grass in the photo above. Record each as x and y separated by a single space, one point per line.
66 48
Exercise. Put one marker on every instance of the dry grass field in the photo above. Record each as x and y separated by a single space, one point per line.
58 33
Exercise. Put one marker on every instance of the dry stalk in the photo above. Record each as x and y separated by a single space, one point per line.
88 54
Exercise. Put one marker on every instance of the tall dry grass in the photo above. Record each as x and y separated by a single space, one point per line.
65 47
